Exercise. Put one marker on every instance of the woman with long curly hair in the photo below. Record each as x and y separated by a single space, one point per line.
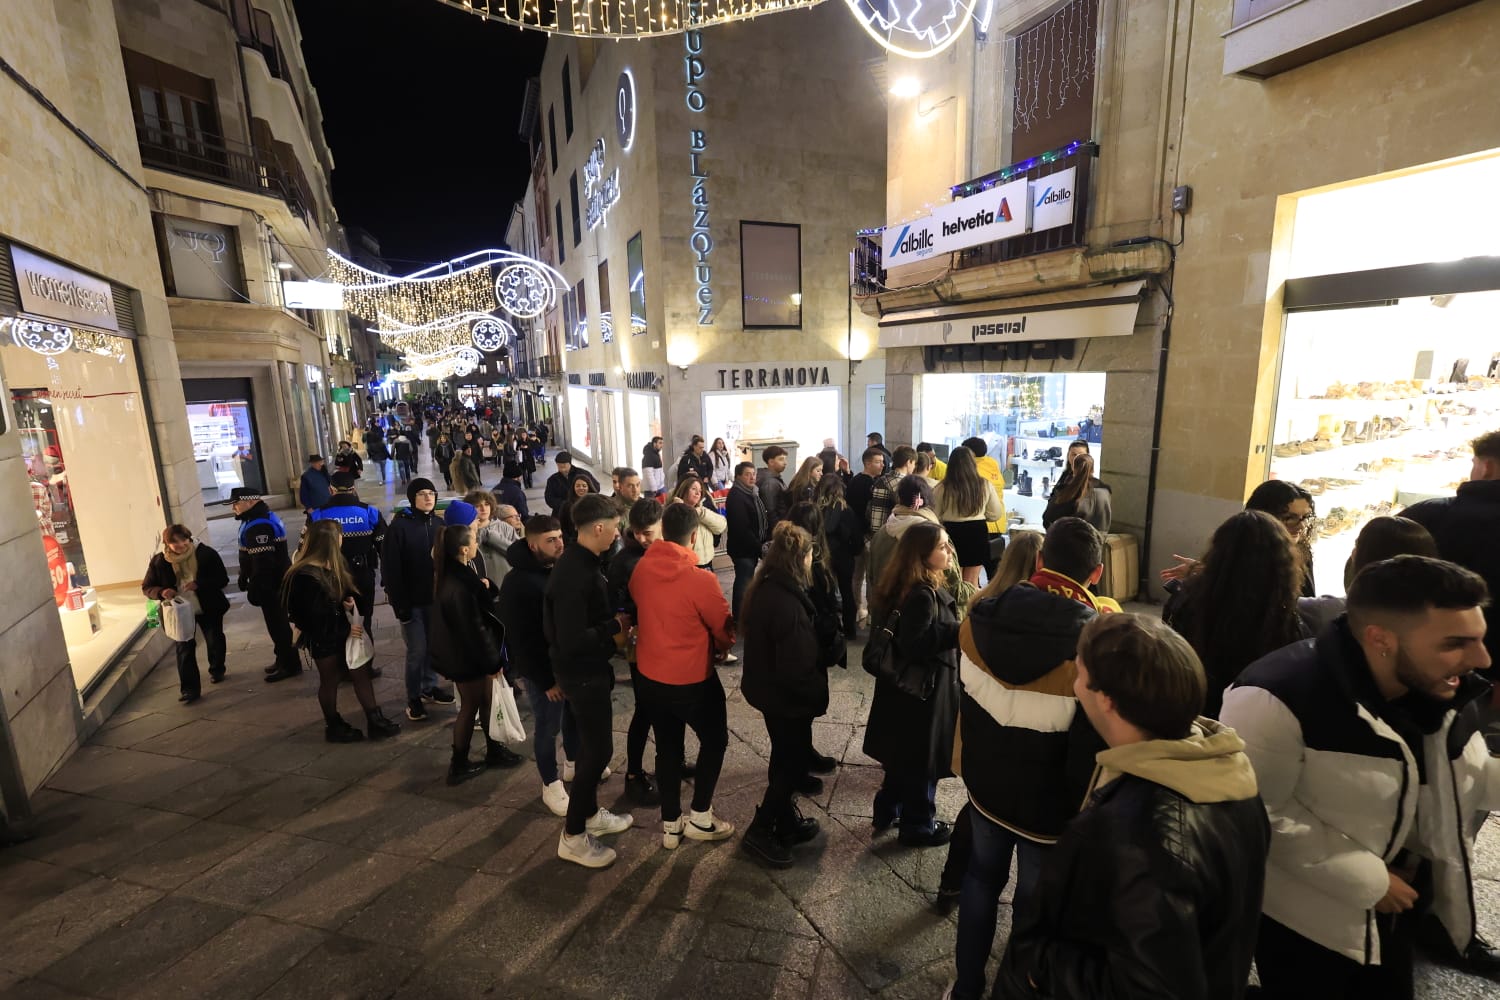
1240 601
910 736
318 594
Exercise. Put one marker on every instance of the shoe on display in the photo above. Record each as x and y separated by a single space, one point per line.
671 832
706 826
341 732
379 726
555 798
500 755
823 764
439 697
585 849
642 790
762 843
415 712
606 824
939 835
810 785
569 767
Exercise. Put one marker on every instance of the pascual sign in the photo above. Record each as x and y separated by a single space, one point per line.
996 214
58 292
1108 312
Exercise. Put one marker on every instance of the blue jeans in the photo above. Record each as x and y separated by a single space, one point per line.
548 717
744 572
910 795
419 673
979 902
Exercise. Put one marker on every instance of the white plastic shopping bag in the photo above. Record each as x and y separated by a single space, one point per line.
505 720
177 619
358 649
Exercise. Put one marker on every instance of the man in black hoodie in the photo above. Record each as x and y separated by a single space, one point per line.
1028 753
581 629
406 562
263 563
521 599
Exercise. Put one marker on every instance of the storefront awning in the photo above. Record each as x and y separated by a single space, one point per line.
1075 314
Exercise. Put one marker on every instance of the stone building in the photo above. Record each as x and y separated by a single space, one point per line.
698 193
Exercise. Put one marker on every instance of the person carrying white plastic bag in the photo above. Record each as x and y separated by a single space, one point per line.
359 649
177 619
505 719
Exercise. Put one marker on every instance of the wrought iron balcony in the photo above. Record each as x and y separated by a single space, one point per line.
170 146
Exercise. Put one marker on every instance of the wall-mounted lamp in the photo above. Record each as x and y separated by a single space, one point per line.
683 369
907 86
283 265
854 364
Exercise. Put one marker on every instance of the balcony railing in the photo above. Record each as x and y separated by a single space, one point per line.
167 145
543 367
867 273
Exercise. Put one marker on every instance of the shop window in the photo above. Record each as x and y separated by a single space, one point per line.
798 420
581 314
1026 422
1052 100
771 274
606 318
635 264
562 253
200 260
552 140
567 82
221 421
573 197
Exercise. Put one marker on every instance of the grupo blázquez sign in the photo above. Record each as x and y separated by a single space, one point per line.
1000 213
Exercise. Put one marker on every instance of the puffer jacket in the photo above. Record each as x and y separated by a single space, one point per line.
1154 890
781 675
1346 793
495 540
406 561
1027 753
520 610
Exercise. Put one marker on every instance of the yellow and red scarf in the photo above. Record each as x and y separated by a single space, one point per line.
1065 586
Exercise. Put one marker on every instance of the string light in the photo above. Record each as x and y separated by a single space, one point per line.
439 293
622 18
1015 170
919 29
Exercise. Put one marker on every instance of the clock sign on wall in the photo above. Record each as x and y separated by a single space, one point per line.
625 110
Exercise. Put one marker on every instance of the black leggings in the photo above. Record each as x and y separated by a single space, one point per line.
473 703
331 670
640 729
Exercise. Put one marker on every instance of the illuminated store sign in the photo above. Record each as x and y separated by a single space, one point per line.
603 192
625 110
58 292
701 240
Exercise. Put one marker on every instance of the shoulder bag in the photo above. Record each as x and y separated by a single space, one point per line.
882 660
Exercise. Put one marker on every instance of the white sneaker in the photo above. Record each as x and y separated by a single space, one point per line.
585 850
730 659
569 768
671 833
555 798
605 823
706 826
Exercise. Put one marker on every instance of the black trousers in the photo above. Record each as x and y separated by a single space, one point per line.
1293 968
593 713
791 753
843 572
280 631
673 708
211 627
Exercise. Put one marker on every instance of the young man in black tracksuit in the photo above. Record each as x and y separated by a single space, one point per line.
406 558
263 562
581 629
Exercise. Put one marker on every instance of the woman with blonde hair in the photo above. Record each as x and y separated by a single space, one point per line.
1018 565
910 736
805 482
690 490
966 502
318 594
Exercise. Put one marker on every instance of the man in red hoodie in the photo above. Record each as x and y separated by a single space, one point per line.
683 626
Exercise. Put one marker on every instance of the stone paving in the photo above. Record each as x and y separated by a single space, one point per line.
223 849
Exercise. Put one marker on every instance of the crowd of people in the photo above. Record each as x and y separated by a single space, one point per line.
1262 774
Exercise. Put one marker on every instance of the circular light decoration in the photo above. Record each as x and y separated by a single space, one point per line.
525 290
491 334
466 361
43 338
625 110
919 29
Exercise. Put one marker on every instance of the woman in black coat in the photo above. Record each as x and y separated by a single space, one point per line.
195 571
845 531
318 595
784 682
913 738
378 450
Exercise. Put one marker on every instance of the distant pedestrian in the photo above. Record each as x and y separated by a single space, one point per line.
316 485
653 475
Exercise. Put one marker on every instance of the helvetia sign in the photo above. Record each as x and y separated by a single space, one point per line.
996 214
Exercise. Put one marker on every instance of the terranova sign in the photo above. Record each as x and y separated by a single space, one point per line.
996 214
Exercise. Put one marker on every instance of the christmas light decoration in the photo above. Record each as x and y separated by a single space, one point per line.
1054 63
1005 174
491 334
528 289
919 29
621 18
438 293
49 339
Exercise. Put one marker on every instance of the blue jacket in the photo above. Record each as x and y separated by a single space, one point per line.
316 488
363 529
511 492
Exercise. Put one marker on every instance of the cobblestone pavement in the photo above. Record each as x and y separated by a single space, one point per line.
224 849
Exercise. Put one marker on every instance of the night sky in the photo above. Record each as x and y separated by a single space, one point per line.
421 107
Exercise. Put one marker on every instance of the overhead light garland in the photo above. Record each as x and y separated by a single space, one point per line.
920 29
622 18
436 294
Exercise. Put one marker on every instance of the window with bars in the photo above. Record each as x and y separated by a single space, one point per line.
1052 99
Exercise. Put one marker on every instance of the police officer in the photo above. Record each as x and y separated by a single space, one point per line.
263 563
363 534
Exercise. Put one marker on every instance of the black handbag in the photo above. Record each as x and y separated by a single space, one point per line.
883 661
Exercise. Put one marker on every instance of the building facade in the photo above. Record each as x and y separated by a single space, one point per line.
230 135
697 193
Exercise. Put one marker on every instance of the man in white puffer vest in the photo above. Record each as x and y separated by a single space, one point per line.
1372 768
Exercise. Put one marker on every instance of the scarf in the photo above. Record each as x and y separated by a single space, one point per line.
186 568
761 517
1064 586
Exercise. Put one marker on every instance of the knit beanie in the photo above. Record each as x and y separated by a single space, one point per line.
460 513
418 485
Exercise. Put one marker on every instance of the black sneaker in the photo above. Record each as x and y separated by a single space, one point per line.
415 712
822 764
380 727
796 828
762 843
810 785
342 732
500 755
939 835
642 790
439 697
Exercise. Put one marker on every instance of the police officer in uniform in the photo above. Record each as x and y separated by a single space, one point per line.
263 562
363 534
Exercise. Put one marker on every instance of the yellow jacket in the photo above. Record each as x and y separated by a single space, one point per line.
990 469
939 470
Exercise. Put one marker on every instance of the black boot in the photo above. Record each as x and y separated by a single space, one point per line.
497 754
794 828
338 731
462 768
761 842
380 727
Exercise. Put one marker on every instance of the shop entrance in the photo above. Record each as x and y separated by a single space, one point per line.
221 420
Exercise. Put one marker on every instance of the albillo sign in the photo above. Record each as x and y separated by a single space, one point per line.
996 214
58 292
